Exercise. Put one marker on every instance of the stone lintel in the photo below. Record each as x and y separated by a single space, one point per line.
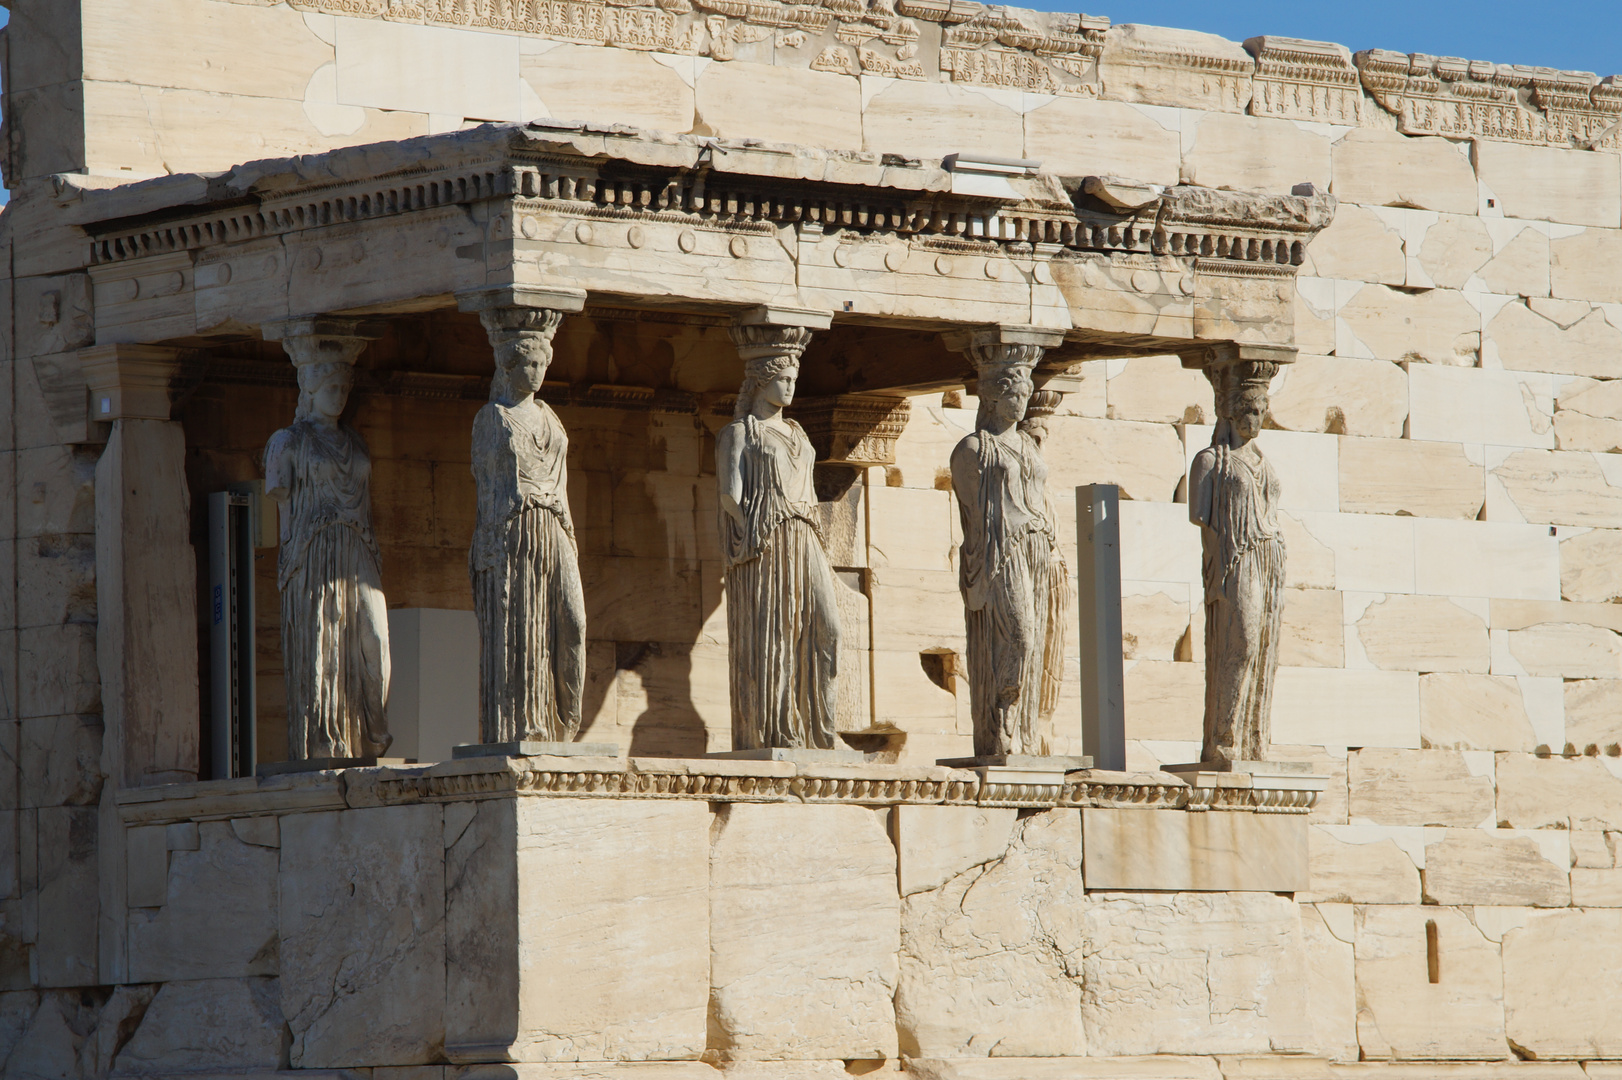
784 315
550 297
129 382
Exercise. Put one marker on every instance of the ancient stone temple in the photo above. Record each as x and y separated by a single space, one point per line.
579 540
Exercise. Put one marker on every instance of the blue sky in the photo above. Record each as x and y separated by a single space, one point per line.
1576 35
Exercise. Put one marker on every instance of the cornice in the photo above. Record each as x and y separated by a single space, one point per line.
698 779
746 189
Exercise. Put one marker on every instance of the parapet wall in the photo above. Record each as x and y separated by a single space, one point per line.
1447 439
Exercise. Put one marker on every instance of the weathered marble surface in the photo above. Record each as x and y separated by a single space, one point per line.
1013 578
991 953
335 630
783 621
362 925
524 559
781 989
1233 497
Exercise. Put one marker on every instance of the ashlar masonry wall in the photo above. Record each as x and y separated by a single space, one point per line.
1449 439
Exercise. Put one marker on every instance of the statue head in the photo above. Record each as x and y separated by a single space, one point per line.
771 365
522 340
323 389
1005 385
1241 399
1006 397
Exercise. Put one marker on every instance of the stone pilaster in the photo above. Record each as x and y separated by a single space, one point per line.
146 598
146 631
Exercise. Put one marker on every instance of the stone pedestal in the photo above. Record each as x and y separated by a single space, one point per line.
1038 762
800 755
1214 784
281 768
1252 768
535 748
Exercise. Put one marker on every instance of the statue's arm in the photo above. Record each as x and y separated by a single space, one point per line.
279 466
966 481
729 470
1199 487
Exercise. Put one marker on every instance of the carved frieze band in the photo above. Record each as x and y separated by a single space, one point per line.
961 789
393 786
1060 54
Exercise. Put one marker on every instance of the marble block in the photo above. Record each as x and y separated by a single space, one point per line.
216 1026
1405 1015
1193 973
1562 979
219 918
804 931
1174 850
362 920
991 950
614 966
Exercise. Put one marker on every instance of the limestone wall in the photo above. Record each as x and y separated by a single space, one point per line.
1448 441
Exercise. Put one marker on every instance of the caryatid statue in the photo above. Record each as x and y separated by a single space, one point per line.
1010 570
782 610
524 562
335 628
1233 496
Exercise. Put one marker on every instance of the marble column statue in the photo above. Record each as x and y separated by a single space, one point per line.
335 629
1013 578
524 561
1233 498
782 608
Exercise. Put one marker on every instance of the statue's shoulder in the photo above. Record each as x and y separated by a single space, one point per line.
734 432
286 440
968 444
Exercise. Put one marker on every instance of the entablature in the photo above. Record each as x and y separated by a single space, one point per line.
693 224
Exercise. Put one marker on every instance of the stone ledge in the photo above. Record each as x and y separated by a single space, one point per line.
708 779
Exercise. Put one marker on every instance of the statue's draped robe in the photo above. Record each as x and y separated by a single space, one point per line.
527 594
1244 594
335 631
782 610
1015 592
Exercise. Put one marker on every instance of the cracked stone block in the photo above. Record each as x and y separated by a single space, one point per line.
1562 980
1193 973
804 931
1402 1013
1418 787
212 1024
362 923
218 919
991 933
1499 867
